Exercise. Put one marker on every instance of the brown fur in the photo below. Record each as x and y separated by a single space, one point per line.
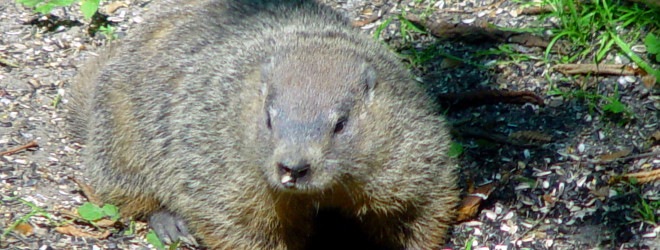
197 110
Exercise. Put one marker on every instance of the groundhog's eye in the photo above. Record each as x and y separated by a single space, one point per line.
340 125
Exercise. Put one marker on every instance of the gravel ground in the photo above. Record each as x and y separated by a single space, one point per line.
552 193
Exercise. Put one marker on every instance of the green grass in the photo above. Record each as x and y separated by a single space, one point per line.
595 28
646 211
607 105
88 7
108 31
505 49
153 239
88 212
408 27
35 210
468 244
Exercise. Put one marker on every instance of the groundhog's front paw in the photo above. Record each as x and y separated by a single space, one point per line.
169 227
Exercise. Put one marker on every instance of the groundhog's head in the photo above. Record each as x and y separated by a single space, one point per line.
313 103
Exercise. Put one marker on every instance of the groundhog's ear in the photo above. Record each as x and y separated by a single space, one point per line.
369 77
370 80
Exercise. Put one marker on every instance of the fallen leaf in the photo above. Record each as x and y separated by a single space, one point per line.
105 223
602 192
367 12
656 135
74 231
470 186
372 17
549 198
450 63
616 155
645 176
540 234
470 205
530 136
69 213
648 81
112 7
24 229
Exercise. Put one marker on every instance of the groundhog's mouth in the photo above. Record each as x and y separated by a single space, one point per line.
290 178
301 179
287 183
292 186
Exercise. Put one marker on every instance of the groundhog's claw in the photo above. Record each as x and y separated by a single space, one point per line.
169 227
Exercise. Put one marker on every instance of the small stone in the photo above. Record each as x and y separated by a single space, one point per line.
630 79
639 48
556 101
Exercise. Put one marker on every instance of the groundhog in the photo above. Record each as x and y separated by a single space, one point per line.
238 123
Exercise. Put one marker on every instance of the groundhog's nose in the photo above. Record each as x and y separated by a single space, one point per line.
290 173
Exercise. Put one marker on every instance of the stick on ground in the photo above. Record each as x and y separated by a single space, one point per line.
26 146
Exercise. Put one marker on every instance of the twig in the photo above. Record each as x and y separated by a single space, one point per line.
11 151
632 157
601 69
624 156
536 10
374 16
487 97
483 31
476 132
